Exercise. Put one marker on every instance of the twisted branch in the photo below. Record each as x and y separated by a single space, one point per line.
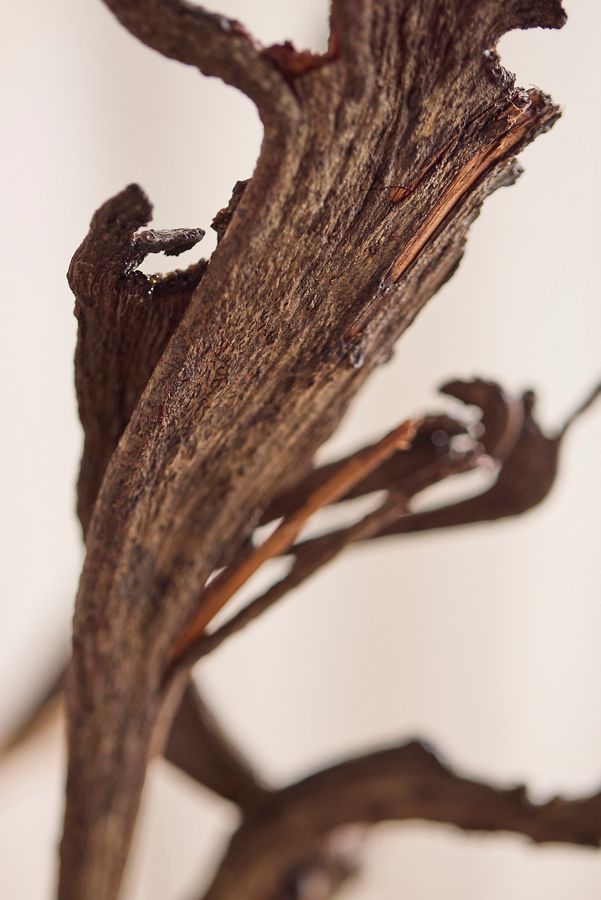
397 784
212 43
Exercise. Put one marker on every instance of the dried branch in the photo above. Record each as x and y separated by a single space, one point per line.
524 480
198 746
194 742
308 558
400 482
510 436
398 784
356 468
125 320
401 472
213 43
528 462
325 262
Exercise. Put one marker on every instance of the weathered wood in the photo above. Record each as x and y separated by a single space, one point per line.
375 160
198 746
527 462
125 319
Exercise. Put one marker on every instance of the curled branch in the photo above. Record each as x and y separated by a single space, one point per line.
318 275
525 477
125 321
212 43
528 466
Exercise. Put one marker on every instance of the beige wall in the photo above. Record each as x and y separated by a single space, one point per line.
486 641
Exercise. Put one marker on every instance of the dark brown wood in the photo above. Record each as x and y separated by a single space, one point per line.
395 784
344 477
376 158
198 746
125 319
526 475
507 435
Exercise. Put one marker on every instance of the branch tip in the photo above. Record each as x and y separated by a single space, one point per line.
402 783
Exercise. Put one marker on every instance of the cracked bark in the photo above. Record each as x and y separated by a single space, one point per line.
376 157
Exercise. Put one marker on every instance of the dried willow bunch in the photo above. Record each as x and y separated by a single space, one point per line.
205 393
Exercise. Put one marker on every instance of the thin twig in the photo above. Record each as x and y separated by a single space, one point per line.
312 554
342 480
309 557
524 480
431 447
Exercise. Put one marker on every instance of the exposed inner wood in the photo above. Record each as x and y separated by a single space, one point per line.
520 120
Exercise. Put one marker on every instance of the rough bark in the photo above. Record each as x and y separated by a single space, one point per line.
507 436
395 784
375 159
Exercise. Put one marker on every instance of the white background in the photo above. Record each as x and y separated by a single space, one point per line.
484 641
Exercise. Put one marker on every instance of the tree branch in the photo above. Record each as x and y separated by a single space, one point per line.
510 436
320 270
198 746
125 320
212 43
524 480
311 555
216 595
401 472
397 784
308 558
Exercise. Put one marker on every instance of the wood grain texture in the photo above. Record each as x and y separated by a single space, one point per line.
374 162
